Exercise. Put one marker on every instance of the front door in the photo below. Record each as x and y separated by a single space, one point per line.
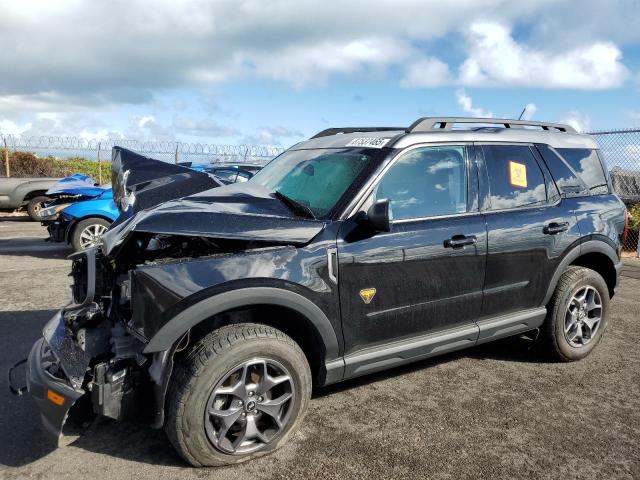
426 275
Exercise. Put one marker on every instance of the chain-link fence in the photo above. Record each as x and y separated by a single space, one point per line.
100 150
621 152
620 148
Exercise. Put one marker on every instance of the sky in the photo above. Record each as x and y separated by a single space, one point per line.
276 72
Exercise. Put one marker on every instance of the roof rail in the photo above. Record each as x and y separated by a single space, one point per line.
431 124
334 131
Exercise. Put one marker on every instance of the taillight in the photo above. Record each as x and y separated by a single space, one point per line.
626 226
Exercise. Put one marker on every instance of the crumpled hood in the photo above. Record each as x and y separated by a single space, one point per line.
140 182
76 184
244 211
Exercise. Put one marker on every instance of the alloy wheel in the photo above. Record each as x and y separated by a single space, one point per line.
583 316
90 236
250 407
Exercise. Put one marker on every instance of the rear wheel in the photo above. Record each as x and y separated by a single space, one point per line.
239 393
35 206
577 314
87 233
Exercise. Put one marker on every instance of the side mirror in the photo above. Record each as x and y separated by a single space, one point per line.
380 216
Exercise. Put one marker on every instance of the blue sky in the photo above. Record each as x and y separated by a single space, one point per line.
277 72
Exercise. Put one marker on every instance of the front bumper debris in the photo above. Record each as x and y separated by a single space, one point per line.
57 229
53 396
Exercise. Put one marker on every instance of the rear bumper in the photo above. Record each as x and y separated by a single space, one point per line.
53 396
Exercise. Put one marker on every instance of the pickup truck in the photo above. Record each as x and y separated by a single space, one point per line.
17 192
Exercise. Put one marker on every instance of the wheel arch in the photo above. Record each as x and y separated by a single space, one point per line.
291 312
594 254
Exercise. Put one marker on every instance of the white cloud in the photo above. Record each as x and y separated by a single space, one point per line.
62 62
427 72
496 59
302 65
578 120
466 104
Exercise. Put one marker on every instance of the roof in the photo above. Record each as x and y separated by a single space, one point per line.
443 130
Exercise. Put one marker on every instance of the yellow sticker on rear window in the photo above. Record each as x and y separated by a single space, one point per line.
518 174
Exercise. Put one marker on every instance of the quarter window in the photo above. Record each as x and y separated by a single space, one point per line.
515 178
587 165
426 182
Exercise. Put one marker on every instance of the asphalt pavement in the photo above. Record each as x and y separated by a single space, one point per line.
496 411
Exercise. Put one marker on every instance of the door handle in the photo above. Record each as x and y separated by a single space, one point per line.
460 241
555 227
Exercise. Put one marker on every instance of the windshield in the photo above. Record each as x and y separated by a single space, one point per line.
317 179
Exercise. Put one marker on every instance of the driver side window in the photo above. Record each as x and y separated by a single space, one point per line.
426 182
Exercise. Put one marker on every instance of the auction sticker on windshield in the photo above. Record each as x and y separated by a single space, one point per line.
370 142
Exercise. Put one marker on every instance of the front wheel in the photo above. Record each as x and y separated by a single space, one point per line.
239 393
87 233
577 314
35 206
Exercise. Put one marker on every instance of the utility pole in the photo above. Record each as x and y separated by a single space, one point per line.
6 159
99 166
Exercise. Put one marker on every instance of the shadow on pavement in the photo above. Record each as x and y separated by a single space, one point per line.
34 247
514 349
22 441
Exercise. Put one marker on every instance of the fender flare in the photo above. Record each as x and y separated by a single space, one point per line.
244 297
590 246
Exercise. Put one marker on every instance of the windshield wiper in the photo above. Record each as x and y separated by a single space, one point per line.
295 206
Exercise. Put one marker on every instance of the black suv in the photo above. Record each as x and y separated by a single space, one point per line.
214 314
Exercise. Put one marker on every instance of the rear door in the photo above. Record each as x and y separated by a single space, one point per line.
528 227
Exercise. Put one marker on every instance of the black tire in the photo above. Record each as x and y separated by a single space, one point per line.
206 364
92 222
35 205
552 334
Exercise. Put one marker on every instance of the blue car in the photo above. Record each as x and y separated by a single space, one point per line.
67 190
82 223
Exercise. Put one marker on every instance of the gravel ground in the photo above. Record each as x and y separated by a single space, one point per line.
496 411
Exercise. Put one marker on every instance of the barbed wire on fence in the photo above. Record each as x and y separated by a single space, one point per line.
58 144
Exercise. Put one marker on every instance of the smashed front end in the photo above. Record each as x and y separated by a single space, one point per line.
85 355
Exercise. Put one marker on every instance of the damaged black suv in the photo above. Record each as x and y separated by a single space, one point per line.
214 311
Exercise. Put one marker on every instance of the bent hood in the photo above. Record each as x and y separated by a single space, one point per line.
140 182
76 184
243 211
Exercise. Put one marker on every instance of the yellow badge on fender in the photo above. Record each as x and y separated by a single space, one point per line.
518 174
367 295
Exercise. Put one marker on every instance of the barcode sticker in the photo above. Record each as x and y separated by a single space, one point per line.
370 142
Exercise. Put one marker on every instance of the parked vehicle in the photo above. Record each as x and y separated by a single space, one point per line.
230 173
81 224
68 190
16 193
356 251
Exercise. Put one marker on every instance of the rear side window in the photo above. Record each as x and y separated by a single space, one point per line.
565 178
515 178
587 165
